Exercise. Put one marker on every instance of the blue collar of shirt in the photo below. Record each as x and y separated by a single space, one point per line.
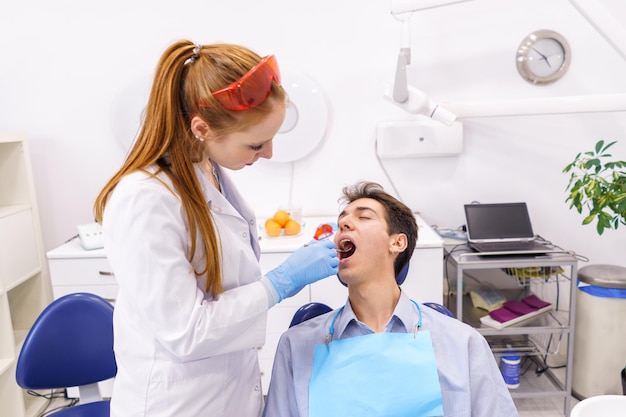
403 320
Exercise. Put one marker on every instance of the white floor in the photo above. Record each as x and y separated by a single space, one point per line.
541 407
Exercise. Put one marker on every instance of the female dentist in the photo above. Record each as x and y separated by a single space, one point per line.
192 303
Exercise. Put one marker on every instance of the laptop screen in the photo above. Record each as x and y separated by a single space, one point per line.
493 222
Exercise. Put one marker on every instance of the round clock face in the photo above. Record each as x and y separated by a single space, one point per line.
543 57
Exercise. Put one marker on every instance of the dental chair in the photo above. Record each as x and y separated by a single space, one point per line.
71 344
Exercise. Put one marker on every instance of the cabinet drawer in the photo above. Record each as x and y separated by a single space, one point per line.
86 271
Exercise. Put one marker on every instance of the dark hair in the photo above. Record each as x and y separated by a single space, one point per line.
399 217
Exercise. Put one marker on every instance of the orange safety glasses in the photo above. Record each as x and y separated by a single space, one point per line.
252 89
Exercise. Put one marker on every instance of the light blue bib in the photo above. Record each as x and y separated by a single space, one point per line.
381 374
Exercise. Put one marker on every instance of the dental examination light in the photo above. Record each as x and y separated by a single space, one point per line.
436 135
402 94
413 100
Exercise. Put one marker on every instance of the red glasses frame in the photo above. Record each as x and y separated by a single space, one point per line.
252 89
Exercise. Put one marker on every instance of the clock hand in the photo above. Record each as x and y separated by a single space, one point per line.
543 57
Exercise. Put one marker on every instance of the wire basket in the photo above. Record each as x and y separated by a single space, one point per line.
523 276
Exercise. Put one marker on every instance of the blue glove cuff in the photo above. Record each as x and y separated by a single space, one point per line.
272 294
281 282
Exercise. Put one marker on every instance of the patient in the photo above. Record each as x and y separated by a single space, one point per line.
382 354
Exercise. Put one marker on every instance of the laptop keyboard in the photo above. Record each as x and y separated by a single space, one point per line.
508 246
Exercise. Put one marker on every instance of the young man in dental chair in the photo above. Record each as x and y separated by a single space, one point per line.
382 354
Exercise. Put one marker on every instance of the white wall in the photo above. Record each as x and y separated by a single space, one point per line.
74 74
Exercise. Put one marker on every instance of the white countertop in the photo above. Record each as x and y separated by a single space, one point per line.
72 250
427 238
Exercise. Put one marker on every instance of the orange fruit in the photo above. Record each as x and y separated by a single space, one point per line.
272 228
292 227
281 217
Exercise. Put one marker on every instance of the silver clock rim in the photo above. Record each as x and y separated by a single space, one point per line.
521 57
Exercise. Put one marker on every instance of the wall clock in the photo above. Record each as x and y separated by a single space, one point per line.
543 57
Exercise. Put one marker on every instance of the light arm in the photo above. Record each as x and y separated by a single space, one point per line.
400 84
408 98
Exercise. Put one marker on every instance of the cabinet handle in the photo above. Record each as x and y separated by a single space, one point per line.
106 273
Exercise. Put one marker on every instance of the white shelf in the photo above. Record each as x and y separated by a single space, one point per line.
24 283
19 336
9 210
5 364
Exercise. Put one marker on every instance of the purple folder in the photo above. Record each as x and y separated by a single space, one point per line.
518 307
503 315
535 302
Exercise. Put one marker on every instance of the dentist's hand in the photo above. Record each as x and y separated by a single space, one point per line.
308 264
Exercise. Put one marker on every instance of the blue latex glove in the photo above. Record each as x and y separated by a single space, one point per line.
308 264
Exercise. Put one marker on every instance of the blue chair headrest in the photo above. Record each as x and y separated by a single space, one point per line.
70 344
308 311
440 308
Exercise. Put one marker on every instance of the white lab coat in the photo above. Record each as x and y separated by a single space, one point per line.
179 352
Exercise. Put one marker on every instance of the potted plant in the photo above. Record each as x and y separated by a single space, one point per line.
598 186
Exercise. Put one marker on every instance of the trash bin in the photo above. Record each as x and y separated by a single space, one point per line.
599 331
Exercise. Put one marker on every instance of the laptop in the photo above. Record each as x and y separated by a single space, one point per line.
502 227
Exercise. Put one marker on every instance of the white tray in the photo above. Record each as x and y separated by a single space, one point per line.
488 321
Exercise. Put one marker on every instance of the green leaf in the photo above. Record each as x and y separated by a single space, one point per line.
599 145
589 219
591 163
608 146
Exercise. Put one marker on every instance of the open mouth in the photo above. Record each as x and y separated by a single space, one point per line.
345 248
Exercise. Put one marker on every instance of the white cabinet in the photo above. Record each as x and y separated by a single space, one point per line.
24 282
74 269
